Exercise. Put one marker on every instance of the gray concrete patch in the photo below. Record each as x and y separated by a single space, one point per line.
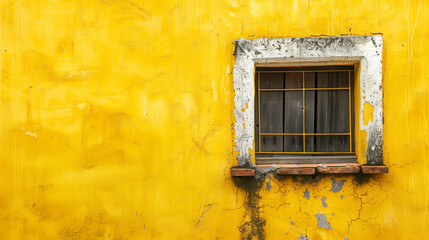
268 183
303 237
307 194
324 202
337 185
322 221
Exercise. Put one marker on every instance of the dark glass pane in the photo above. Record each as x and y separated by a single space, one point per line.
272 103
272 80
293 80
327 143
293 143
272 106
327 111
270 143
293 112
277 143
310 79
327 79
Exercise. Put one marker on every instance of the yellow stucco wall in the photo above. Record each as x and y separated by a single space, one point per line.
116 122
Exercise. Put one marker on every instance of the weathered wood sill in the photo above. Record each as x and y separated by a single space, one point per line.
311 169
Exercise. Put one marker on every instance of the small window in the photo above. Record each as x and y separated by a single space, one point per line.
334 53
304 114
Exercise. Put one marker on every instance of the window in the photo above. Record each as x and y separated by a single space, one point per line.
252 57
304 114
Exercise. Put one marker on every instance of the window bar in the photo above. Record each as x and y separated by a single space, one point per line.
305 134
303 108
300 89
305 71
305 152
350 114
259 111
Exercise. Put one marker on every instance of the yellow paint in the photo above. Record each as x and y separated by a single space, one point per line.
360 135
361 146
116 122
368 113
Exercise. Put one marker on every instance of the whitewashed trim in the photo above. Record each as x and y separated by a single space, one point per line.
366 50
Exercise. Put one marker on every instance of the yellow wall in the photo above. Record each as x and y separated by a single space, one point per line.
116 122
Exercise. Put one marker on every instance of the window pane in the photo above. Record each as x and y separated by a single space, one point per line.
281 80
293 80
293 143
281 112
272 80
272 106
293 112
271 143
327 143
327 79
278 143
327 111
272 103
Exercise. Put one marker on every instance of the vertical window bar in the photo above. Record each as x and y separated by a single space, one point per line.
259 110
303 109
284 110
350 114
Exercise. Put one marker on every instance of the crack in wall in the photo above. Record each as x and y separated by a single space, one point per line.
362 204
208 206
253 223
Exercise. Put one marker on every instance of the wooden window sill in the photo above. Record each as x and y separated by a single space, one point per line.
242 172
264 160
311 169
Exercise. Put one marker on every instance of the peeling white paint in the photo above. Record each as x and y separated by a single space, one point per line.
31 134
366 50
81 105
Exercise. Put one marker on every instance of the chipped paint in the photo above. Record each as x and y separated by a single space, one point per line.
31 134
337 185
307 194
268 182
324 202
322 221
303 237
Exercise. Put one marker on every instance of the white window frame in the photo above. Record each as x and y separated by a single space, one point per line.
363 50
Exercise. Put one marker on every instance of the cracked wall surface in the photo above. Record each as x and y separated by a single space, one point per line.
117 122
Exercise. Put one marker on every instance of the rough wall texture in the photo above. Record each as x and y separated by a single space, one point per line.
116 122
